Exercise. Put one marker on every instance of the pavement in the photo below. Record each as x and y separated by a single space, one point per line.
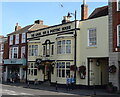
81 92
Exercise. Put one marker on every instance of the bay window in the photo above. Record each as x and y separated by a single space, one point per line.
64 47
33 50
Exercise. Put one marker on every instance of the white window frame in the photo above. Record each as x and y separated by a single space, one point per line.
31 69
14 51
62 48
23 52
2 46
11 40
23 37
118 35
33 50
11 52
118 5
89 38
17 39
60 69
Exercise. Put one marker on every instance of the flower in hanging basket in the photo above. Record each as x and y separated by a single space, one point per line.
82 71
42 67
112 69
72 67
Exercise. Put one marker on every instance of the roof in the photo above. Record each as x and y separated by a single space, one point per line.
22 30
98 12
37 26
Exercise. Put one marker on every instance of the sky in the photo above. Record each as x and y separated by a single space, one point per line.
25 13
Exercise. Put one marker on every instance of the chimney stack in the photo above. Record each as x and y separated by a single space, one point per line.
65 19
17 27
39 22
84 10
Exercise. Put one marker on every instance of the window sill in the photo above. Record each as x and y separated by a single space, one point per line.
91 47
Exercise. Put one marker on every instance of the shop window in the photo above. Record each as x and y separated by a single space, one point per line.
118 5
118 35
92 37
63 69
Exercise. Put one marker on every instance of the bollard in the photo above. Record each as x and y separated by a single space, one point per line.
56 86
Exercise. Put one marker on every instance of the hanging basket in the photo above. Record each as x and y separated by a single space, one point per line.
41 67
72 67
112 69
82 72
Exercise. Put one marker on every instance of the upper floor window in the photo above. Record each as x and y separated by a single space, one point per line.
23 52
48 48
33 50
118 5
52 50
2 47
13 53
23 37
92 37
11 40
118 35
64 46
16 38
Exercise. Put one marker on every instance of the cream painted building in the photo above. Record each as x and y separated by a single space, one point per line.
51 46
51 50
93 51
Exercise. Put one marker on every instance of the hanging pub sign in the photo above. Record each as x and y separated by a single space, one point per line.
112 69
38 61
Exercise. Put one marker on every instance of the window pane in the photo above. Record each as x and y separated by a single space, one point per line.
68 65
92 37
35 71
63 73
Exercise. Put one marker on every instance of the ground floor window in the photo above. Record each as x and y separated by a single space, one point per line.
63 69
32 69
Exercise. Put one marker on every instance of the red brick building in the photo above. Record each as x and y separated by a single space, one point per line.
15 60
114 42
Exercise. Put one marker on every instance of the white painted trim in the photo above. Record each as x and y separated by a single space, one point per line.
118 5
118 35
11 43
18 39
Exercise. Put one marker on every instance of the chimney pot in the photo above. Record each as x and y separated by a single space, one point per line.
17 27
65 19
39 22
